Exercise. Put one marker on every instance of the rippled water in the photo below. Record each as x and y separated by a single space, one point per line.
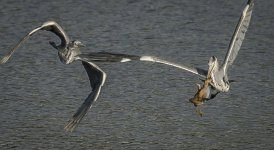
142 105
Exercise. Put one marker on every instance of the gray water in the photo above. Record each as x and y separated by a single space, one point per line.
142 105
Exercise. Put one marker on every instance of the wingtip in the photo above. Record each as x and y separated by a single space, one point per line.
4 60
76 118
71 125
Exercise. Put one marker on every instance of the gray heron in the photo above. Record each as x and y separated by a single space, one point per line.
216 77
68 52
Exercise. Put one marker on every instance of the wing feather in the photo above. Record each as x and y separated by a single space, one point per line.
48 26
238 35
97 78
195 70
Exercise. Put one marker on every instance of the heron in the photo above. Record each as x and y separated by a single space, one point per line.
68 52
216 77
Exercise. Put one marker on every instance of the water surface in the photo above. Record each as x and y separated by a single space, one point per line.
142 105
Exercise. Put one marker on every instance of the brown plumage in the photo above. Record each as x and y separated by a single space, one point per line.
201 95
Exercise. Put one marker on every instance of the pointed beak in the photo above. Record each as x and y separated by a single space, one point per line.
82 45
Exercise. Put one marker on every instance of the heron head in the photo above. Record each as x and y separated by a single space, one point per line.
77 43
213 62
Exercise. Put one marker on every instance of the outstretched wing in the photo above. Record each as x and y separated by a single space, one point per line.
97 78
118 57
108 57
195 70
49 26
239 35
58 30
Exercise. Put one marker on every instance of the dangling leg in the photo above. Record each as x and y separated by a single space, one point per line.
198 110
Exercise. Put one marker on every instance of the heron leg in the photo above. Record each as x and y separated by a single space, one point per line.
198 111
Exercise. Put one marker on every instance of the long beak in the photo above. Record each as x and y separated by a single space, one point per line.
82 45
